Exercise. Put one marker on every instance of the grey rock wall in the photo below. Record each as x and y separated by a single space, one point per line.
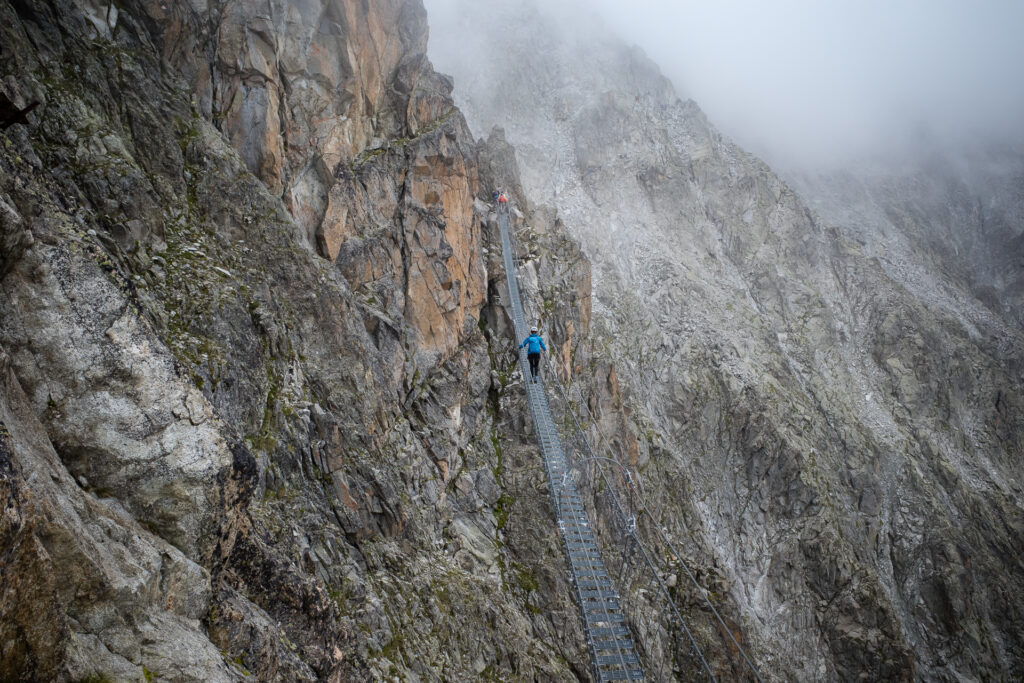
828 440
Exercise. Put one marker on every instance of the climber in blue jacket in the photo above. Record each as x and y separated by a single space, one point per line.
533 345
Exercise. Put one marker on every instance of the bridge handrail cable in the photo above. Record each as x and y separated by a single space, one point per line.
637 500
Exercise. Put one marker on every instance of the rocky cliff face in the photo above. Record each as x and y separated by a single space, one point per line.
835 440
947 224
255 417
258 410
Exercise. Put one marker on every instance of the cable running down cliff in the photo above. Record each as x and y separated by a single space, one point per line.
648 603
612 652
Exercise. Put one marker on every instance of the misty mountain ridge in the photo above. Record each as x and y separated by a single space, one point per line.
816 333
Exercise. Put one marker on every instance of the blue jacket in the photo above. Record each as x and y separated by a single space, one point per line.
535 343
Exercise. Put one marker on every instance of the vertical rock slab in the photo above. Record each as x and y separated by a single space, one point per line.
85 590
115 407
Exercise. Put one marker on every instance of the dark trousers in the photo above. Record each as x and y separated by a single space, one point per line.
534 359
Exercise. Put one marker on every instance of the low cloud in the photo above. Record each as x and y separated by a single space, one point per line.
809 83
806 82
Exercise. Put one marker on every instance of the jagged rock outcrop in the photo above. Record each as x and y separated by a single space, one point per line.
833 448
256 409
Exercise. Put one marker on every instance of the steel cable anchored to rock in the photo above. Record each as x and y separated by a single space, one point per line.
612 649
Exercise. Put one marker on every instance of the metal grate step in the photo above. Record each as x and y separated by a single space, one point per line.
631 675
612 650
607 631
615 644
601 608
605 619
582 545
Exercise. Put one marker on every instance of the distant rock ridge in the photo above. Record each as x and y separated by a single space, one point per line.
950 225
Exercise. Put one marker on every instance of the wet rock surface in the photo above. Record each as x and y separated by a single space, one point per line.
86 589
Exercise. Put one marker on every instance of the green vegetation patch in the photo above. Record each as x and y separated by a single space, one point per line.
502 510
95 678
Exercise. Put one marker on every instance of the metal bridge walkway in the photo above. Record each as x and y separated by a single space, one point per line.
612 652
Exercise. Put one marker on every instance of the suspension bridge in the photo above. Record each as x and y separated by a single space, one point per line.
607 614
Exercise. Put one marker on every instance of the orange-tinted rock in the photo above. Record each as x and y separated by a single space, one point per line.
305 87
334 106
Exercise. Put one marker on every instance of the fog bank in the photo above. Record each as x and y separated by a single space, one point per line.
821 84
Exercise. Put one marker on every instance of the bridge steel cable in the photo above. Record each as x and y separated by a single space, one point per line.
645 511
657 527
627 520
609 641
637 506
630 520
